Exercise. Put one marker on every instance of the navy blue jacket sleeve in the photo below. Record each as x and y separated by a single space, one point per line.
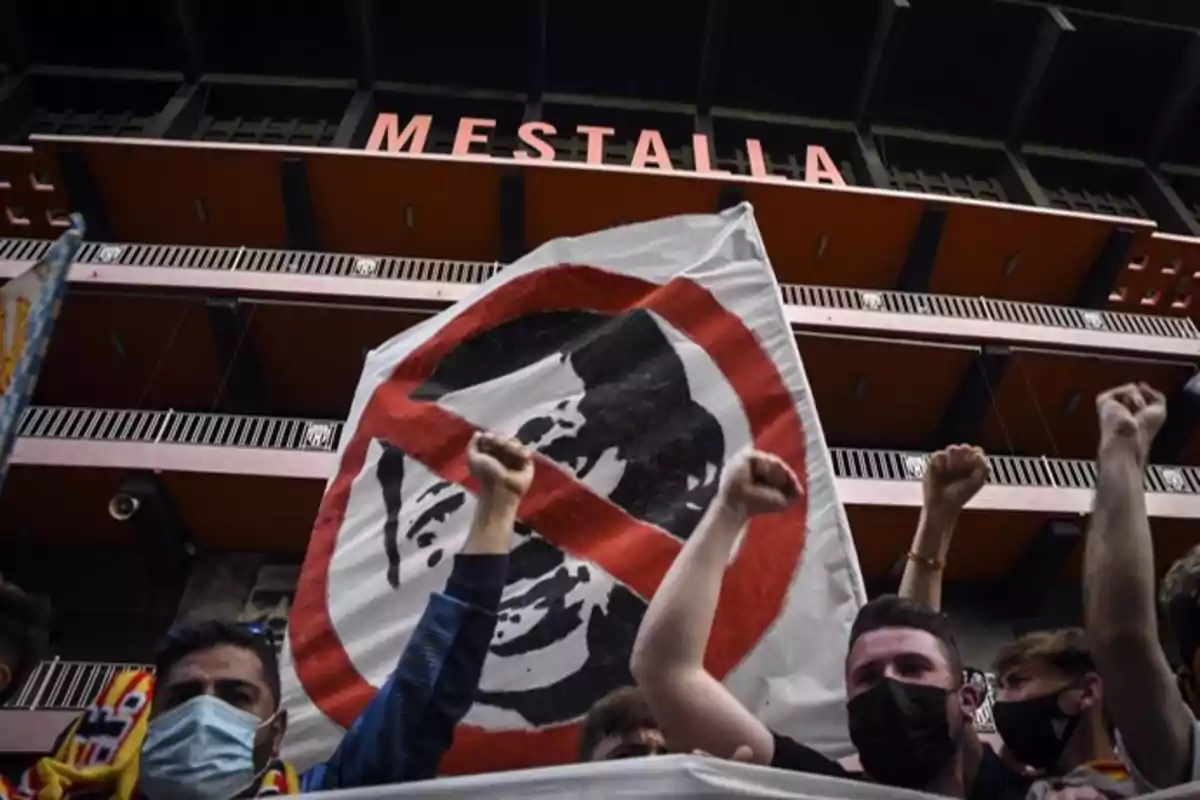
403 733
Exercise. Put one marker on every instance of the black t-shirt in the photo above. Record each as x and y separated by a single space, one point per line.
793 756
993 780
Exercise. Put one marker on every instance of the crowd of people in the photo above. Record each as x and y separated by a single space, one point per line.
1091 712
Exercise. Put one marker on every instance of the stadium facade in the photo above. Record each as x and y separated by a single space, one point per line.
981 214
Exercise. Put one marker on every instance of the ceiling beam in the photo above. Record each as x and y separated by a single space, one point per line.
182 113
512 217
300 219
15 101
867 161
1181 99
1018 181
144 504
365 38
16 36
710 54
355 127
1181 423
889 31
1039 568
1101 277
539 25
1029 96
84 195
922 250
963 419
244 389
186 34
1165 205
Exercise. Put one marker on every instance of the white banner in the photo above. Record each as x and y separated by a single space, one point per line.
679 776
636 362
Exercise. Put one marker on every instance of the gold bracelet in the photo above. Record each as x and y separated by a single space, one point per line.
932 563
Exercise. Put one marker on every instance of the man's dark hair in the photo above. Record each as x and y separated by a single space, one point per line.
1066 650
1180 602
890 611
619 712
24 634
195 638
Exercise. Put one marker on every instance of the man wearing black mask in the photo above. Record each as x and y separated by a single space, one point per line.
1049 710
908 705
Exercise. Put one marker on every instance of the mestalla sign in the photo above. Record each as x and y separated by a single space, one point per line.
535 144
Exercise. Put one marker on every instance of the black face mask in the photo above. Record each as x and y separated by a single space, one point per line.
902 733
1035 731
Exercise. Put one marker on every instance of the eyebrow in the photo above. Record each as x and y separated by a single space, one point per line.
220 683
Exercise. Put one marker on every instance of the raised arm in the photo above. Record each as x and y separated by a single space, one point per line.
694 710
406 729
952 477
1119 607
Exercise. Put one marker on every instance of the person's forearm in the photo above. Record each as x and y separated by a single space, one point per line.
1119 555
492 527
923 570
694 710
675 630
409 724
1120 619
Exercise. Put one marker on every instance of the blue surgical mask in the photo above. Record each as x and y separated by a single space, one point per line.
200 750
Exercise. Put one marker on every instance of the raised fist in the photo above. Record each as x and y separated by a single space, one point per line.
953 476
758 483
1131 414
500 464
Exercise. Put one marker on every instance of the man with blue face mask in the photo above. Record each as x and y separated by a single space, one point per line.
216 725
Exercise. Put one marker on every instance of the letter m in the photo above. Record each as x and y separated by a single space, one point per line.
386 135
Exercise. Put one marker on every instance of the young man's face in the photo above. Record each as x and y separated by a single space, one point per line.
1031 679
907 655
233 674
630 744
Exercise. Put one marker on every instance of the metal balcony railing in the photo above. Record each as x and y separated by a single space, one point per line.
1040 471
280 433
297 262
179 427
58 685
982 308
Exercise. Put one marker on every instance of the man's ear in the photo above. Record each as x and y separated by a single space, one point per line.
6 676
969 699
280 729
1091 692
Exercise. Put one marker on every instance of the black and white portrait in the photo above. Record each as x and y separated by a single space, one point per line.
609 401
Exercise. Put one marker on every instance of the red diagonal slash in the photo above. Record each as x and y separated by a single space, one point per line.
560 508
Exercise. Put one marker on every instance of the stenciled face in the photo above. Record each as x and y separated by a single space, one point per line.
565 627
